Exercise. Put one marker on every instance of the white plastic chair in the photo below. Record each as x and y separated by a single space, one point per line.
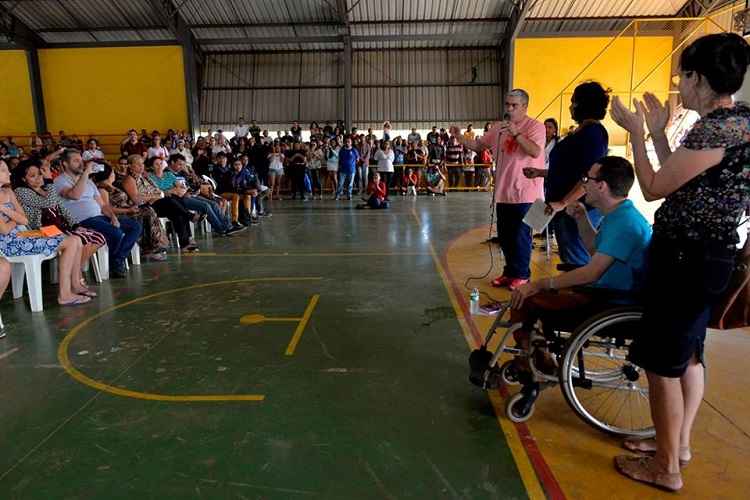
168 228
28 267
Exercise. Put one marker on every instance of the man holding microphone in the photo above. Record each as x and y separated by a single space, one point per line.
516 143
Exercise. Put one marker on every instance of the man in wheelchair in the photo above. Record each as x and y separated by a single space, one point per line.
618 251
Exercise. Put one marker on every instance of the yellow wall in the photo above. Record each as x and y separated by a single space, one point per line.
543 66
16 108
109 90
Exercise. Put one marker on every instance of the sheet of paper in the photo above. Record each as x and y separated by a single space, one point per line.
536 218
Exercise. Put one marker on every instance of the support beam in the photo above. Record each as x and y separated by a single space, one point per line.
347 63
164 9
25 38
506 52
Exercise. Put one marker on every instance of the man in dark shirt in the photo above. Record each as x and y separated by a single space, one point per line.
258 156
132 146
254 130
432 136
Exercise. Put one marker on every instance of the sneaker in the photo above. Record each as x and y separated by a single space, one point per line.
235 229
501 281
254 221
157 256
349 198
191 248
517 283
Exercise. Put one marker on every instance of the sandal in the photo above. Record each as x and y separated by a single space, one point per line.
646 470
648 447
86 293
75 302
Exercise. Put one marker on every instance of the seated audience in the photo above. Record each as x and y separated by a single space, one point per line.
435 180
14 242
82 200
33 187
154 241
142 192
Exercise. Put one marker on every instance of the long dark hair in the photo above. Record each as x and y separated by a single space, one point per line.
721 58
18 174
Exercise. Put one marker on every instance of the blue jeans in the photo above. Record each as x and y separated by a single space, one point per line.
346 181
515 239
120 241
569 242
374 202
210 209
363 171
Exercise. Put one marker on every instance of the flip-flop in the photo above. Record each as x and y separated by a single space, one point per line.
76 302
87 293
633 445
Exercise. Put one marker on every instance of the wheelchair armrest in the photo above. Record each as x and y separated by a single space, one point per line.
567 267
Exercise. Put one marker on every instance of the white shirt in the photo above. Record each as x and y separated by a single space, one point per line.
95 154
241 130
161 152
184 152
385 160
547 150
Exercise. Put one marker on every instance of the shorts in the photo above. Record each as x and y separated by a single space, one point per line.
275 173
684 280
332 168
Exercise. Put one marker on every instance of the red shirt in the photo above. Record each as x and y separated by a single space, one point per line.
378 190
410 180
133 149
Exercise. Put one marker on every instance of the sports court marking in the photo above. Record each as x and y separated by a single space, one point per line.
62 350
256 319
534 472
293 254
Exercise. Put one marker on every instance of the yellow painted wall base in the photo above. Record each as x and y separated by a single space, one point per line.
109 90
16 108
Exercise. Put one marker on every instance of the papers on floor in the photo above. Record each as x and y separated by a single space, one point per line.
536 218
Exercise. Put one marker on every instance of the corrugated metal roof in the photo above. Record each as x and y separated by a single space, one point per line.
49 14
601 8
393 10
198 12
68 37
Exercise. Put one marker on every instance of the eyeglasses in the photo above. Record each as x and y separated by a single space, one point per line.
586 178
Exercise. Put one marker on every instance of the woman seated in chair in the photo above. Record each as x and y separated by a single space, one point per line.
154 241
618 251
32 180
142 191
15 243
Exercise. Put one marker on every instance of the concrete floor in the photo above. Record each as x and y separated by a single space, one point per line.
160 390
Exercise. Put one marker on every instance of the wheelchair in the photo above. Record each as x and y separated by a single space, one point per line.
598 382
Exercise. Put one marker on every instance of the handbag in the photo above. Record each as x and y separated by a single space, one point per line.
733 308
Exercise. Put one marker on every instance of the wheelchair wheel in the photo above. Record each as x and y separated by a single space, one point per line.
508 373
605 389
519 409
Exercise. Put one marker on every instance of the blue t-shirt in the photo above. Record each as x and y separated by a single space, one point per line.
572 157
348 160
624 235
167 181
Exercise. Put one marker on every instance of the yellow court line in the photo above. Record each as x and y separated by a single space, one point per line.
301 327
62 350
525 469
285 320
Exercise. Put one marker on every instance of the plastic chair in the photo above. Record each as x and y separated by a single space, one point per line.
168 228
28 267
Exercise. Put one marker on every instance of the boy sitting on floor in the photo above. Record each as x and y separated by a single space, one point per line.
377 193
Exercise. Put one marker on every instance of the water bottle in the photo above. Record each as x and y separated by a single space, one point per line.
474 302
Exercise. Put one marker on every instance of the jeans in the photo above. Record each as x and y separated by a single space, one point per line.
569 242
120 240
363 171
375 203
515 239
346 181
210 209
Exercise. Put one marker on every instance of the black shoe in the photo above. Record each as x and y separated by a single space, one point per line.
254 221
264 214
118 274
235 229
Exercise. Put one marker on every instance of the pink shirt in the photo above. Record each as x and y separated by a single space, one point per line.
511 186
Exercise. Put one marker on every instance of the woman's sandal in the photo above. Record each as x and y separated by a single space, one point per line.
75 302
648 447
646 470
86 293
